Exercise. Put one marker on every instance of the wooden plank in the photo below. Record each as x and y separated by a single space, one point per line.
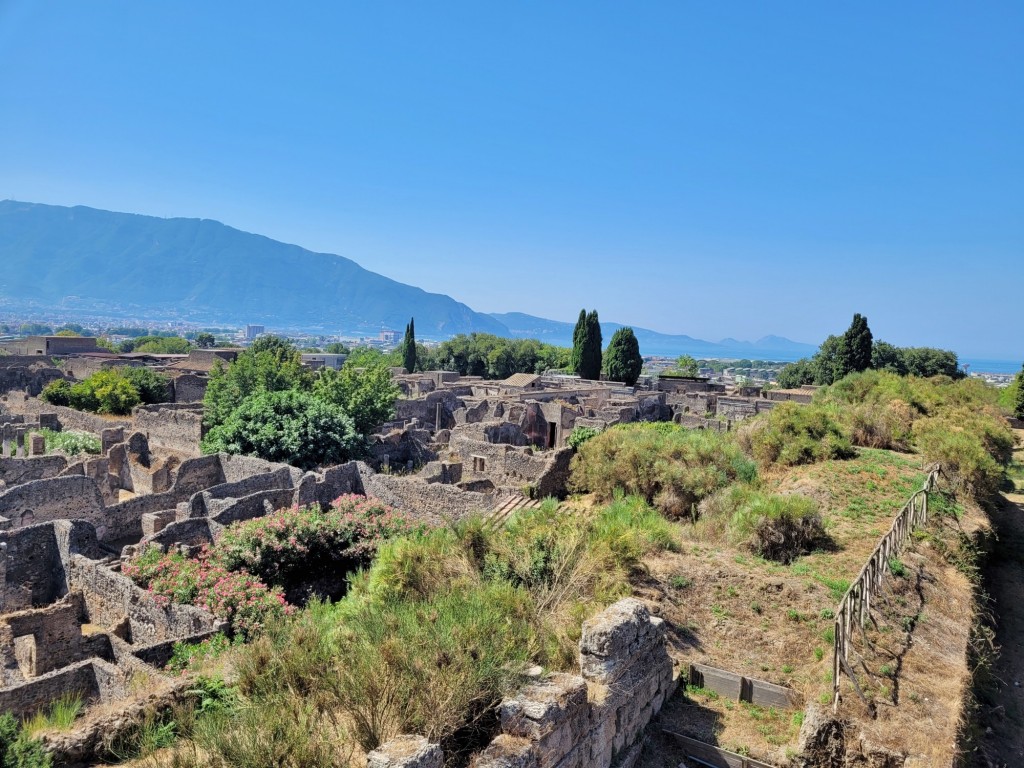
717 680
712 756
770 695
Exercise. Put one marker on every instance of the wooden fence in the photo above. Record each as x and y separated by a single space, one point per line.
855 607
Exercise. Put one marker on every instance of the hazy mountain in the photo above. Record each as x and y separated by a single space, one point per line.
81 257
654 343
122 264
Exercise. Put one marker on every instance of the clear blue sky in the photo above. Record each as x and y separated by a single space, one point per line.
715 169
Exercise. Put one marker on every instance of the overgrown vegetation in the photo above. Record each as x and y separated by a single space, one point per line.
669 466
244 577
17 747
856 351
793 434
493 357
110 391
429 638
266 404
71 443
956 423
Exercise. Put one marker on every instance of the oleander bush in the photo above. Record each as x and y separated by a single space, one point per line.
288 548
245 602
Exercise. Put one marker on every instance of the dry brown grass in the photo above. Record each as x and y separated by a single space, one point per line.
773 622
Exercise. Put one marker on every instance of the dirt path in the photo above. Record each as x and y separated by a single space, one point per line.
1002 716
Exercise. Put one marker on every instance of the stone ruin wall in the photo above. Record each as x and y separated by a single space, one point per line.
27 373
592 720
172 427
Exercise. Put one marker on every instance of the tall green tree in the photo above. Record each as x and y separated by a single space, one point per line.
858 344
590 348
623 361
832 361
579 334
365 391
1018 400
685 365
268 365
409 346
289 426
887 357
205 340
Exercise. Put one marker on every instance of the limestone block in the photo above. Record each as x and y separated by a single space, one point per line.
611 640
541 707
38 445
406 752
506 752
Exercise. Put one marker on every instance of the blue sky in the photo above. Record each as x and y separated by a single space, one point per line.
714 169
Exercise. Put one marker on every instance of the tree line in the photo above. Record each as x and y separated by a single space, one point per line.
856 350
496 357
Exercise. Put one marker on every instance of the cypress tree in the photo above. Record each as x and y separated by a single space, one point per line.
1018 400
623 361
858 344
409 346
578 334
590 350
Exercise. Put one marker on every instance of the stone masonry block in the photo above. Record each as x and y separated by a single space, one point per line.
506 752
406 752
614 638
541 707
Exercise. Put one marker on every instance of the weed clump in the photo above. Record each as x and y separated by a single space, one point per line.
670 467
795 434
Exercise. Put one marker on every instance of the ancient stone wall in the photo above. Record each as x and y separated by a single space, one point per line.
111 597
737 408
173 427
236 510
58 498
17 471
27 373
68 418
188 388
430 503
33 573
36 641
26 698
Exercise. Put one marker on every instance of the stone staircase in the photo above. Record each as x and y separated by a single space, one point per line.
505 507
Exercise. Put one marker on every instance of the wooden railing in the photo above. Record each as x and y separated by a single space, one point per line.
855 607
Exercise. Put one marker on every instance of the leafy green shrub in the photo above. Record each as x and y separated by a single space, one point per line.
57 392
794 434
667 465
17 748
580 435
184 655
289 426
366 393
151 386
112 390
776 527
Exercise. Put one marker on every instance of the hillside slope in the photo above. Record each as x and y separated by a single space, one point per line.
81 257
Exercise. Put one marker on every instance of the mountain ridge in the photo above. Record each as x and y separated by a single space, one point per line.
203 270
